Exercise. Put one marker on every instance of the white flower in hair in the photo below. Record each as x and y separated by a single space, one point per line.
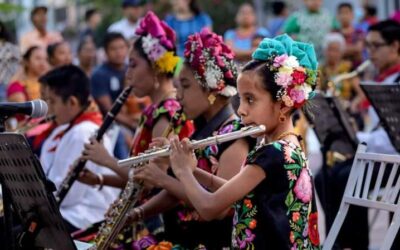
149 43
213 76
291 62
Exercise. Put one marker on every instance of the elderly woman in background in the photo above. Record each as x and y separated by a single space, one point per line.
334 65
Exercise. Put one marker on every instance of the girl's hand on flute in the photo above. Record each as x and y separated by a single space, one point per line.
97 153
159 142
151 175
182 156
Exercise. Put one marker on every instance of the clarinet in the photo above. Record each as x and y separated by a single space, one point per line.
115 217
72 176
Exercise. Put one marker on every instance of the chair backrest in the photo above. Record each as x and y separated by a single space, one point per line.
374 180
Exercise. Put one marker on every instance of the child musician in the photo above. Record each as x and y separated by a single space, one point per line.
273 194
68 95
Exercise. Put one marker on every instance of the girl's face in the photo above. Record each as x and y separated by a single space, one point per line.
37 63
62 55
192 97
246 16
87 55
140 75
256 104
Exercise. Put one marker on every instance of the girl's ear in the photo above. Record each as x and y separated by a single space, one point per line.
285 110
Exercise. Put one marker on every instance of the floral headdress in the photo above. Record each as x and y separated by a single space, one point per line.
212 62
158 41
295 67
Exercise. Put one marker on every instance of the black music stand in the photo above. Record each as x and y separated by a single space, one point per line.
335 133
385 98
31 197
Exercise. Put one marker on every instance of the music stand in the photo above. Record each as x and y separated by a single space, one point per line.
385 98
33 202
335 133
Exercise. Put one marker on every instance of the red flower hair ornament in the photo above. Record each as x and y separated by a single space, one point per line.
212 62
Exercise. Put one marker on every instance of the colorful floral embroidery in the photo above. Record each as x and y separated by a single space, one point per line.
244 223
303 223
169 108
299 198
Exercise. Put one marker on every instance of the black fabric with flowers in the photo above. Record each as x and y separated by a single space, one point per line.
183 224
280 213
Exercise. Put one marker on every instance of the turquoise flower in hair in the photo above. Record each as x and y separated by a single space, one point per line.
284 44
294 65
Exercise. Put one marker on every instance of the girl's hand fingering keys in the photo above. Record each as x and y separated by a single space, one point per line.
182 157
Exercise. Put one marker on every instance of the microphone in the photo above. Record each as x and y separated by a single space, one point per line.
36 108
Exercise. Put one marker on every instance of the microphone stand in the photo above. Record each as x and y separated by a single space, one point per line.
8 215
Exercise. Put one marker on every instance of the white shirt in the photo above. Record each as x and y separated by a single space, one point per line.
84 204
378 140
126 28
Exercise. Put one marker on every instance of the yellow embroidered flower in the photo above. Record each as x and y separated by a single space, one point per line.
167 62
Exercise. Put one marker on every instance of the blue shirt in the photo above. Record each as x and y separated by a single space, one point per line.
244 43
185 28
107 81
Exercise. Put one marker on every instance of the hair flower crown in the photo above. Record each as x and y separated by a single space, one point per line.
158 42
294 65
212 62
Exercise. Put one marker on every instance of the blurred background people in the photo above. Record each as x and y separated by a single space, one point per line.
92 21
353 36
240 38
59 54
26 86
86 54
280 13
311 24
132 11
39 36
186 19
10 57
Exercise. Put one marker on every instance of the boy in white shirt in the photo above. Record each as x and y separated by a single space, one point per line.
68 96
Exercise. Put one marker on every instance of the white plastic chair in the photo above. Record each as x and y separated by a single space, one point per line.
359 192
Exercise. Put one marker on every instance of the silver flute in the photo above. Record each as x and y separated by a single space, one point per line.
165 151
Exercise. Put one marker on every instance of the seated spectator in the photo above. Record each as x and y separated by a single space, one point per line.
87 55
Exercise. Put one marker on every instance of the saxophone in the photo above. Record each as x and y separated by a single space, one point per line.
116 215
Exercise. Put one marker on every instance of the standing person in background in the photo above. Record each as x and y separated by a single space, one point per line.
311 24
133 11
10 56
280 12
59 54
353 36
369 18
92 21
27 87
87 55
186 19
39 36
240 38
107 83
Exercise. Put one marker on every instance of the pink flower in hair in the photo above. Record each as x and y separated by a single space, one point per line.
156 52
283 79
279 60
297 95
152 25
